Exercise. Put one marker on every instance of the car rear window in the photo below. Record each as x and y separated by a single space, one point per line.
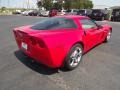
54 23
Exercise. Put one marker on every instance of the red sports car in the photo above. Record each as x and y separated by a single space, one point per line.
61 40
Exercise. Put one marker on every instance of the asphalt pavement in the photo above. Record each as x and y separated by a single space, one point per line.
99 69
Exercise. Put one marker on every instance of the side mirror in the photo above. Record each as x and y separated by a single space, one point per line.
99 26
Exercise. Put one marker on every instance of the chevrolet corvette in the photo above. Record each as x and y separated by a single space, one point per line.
61 40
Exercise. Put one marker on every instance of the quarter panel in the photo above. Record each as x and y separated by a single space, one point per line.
59 43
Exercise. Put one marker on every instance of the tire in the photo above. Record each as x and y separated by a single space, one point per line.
108 37
74 57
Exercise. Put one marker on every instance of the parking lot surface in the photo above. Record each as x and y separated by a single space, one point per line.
99 70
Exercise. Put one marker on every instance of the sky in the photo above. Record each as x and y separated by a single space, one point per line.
107 2
23 3
18 3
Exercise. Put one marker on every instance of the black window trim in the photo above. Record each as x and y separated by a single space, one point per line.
76 26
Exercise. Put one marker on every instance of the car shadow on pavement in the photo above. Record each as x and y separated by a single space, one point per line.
42 69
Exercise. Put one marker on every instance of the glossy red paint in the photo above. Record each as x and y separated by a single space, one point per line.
50 47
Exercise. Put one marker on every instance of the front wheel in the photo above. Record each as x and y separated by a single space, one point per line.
74 57
108 37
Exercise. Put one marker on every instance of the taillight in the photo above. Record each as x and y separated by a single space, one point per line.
20 35
39 42
33 40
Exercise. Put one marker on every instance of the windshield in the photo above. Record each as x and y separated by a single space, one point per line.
54 23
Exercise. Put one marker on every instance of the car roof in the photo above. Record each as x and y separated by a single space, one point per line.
73 16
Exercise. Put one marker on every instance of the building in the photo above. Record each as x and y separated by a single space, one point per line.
101 7
115 7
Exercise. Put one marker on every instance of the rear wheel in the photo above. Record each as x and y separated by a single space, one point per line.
73 57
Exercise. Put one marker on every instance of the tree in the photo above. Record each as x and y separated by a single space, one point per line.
90 4
81 4
78 4
3 9
67 4
57 6
39 4
47 4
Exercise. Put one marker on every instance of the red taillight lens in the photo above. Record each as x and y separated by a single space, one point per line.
36 41
20 35
33 40
41 43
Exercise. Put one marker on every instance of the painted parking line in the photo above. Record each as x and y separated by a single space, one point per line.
115 23
106 21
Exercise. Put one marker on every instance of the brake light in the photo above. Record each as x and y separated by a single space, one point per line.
38 42
33 40
20 35
41 43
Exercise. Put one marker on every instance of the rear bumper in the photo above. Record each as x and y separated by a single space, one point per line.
96 17
40 55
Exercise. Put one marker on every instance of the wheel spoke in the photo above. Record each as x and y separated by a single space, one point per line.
75 57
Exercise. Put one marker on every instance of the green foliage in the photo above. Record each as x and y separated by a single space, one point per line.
47 4
78 4
39 4
3 9
69 4
57 6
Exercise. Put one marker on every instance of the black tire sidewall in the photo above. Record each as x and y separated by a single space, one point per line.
67 58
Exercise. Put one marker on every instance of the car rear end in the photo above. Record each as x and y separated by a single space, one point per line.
116 15
81 12
97 14
32 45
45 13
72 12
61 12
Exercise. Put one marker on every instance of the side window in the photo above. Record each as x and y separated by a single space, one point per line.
75 10
63 23
87 24
54 23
